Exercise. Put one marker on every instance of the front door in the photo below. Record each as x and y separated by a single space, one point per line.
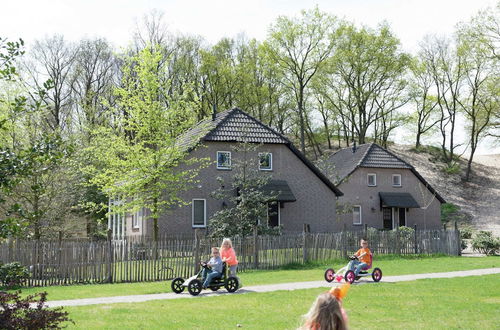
402 217
273 214
387 216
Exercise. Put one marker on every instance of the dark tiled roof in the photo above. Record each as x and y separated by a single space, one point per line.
283 190
235 125
394 199
374 156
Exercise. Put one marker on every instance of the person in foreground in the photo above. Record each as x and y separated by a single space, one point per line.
364 258
213 269
327 312
228 255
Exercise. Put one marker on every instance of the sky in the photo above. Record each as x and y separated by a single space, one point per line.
116 20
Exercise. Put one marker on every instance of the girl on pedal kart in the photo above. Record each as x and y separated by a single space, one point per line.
213 268
362 258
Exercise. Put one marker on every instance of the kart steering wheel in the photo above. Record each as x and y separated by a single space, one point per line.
353 257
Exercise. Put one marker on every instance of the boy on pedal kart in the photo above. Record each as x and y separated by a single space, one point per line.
212 268
361 259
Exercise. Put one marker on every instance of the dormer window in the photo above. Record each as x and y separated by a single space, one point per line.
223 160
372 179
265 161
396 180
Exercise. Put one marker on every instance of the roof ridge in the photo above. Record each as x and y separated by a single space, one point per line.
262 124
223 120
365 154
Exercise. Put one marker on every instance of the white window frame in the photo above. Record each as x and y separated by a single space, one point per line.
270 161
400 182
360 216
228 167
137 217
204 213
374 180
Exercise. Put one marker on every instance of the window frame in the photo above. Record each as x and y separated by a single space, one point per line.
228 167
374 180
204 213
400 180
270 161
360 215
137 219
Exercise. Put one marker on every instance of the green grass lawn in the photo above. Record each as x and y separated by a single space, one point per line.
457 303
390 265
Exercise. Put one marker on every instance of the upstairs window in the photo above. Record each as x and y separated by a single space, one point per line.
372 179
223 160
265 161
396 180
356 215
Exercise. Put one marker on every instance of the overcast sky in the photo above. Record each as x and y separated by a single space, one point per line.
213 19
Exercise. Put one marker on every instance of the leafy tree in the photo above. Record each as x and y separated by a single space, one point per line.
141 161
248 208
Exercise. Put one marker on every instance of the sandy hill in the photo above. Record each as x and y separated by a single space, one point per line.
479 199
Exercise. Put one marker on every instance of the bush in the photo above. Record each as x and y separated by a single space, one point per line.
13 274
466 232
452 169
406 232
484 242
20 313
463 244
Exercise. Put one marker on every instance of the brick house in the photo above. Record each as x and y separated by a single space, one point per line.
306 195
383 191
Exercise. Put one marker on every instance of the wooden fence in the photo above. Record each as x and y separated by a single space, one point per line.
59 262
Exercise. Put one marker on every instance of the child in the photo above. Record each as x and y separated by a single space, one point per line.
214 270
327 313
364 258
229 256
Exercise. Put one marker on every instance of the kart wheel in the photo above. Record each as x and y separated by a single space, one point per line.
231 284
377 274
177 285
214 288
329 275
194 287
349 276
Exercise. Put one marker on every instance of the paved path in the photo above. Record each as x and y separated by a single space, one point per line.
263 288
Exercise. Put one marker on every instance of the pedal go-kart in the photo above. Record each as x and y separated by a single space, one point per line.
348 275
194 284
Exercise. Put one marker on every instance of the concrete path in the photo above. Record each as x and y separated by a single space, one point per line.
264 288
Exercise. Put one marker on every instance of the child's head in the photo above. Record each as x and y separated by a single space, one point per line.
215 251
325 314
226 243
364 243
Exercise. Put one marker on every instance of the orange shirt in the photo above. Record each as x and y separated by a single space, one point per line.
230 256
367 258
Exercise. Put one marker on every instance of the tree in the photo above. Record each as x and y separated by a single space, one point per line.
141 161
300 47
247 209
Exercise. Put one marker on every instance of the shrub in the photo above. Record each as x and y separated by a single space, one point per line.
452 169
13 274
466 232
484 242
29 313
406 232
450 212
463 244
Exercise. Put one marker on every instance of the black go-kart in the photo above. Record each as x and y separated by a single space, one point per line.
194 284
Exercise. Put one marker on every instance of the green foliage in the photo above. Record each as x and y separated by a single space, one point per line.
248 209
466 232
406 232
142 161
13 274
485 242
29 313
452 169
450 212
9 51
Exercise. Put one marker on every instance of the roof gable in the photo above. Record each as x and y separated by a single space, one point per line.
371 155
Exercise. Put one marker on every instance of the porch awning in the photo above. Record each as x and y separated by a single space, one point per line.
281 187
402 200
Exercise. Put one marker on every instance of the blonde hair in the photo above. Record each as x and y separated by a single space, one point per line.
228 241
215 249
325 314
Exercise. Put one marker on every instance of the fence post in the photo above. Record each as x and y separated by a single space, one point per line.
110 257
415 238
196 251
398 245
11 250
458 240
304 243
255 248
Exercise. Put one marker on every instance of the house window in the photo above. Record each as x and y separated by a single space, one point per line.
223 160
396 180
356 215
137 218
372 179
199 213
265 161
